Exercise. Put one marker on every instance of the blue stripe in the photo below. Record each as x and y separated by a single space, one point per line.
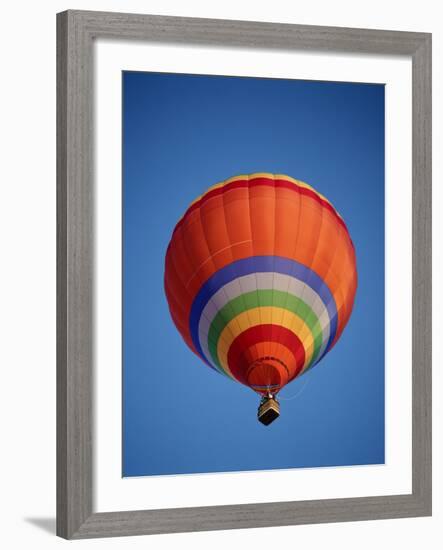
261 264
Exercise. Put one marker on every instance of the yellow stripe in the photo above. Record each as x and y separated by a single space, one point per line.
263 316
262 175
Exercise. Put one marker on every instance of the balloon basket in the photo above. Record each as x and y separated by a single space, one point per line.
268 410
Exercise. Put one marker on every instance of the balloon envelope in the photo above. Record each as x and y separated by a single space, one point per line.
260 278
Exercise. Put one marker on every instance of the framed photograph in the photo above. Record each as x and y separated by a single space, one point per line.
243 274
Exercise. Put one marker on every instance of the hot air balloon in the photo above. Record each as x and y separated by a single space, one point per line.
260 279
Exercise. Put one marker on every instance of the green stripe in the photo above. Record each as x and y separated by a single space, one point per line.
263 298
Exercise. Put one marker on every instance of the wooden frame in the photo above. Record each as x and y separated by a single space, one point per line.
76 31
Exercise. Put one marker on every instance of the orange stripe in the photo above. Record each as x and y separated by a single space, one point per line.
263 349
260 220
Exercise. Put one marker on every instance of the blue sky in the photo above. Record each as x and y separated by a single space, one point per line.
181 134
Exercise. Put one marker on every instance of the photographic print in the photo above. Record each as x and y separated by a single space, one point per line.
253 274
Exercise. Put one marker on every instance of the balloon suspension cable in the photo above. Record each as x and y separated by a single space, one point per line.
300 391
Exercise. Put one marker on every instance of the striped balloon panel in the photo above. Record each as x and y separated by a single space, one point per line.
260 278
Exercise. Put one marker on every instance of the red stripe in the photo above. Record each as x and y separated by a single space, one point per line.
261 181
238 364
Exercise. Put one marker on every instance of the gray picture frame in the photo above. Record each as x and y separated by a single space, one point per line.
76 32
